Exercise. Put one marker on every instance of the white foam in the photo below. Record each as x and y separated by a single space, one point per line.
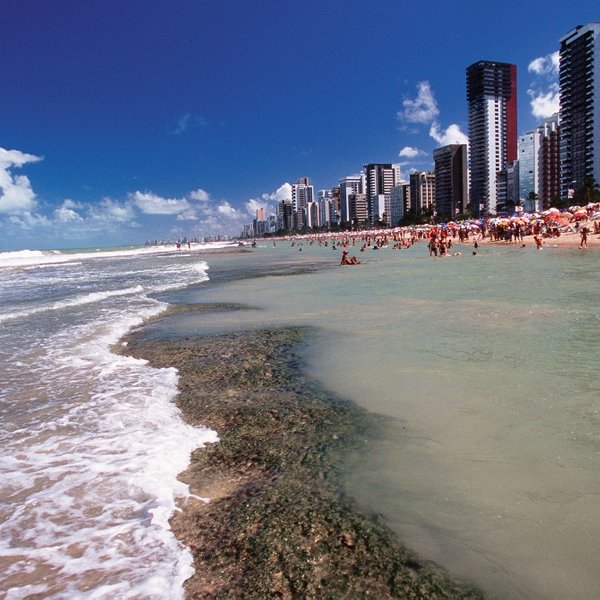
28 258
94 297
90 481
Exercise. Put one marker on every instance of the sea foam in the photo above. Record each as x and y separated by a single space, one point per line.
88 469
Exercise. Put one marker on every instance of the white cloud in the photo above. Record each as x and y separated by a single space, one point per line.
67 213
544 94
225 209
451 135
545 65
253 205
411 152
151 204
16 194
544 104
109 211
283 192
29 220
422 109
199 195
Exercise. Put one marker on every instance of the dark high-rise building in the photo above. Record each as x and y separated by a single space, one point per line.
492 103
451 191
579 107
550 163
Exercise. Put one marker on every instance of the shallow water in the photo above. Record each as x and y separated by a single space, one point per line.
485 369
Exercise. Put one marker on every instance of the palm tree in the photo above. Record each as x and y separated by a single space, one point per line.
587 192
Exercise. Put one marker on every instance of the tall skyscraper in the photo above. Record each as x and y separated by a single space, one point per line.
530 144
399 203
353 184
492 103
579 79
380 178
550 162
302 193
422 191
451 191
539 164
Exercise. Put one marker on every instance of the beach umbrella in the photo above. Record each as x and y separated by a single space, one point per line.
580 214
551 211
562 221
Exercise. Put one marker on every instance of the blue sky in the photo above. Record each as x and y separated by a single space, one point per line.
122 121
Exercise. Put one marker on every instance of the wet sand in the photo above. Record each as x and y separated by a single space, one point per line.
277 524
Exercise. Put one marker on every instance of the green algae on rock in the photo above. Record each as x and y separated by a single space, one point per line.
278 524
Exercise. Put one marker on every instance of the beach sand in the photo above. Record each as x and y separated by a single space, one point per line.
277 523
566 240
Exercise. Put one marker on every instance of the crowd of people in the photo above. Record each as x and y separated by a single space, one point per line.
441 239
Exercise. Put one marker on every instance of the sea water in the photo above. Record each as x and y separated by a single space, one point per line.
90 441
484 370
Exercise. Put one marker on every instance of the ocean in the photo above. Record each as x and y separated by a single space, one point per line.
483 369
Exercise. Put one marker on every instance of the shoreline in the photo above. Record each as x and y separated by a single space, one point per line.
278 523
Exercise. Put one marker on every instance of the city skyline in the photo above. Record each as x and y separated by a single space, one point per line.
175 120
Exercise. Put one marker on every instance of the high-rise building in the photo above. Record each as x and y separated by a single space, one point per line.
359 213
285 215
422 191
380 179
539 164
353 184
530 144
302 193
550 163
451 191
399 202
579 78
507 187
492 103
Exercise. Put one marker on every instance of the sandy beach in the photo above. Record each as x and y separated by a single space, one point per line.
566 240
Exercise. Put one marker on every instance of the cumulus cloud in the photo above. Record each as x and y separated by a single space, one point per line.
269 201
67 212
283 192
16 194
544 104
422 109
151 204
544 90
109 211
200 195
451 135
227 210
545 65
411 152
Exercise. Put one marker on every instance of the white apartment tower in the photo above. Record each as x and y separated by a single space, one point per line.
380 179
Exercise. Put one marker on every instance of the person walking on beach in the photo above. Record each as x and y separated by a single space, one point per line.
584 234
